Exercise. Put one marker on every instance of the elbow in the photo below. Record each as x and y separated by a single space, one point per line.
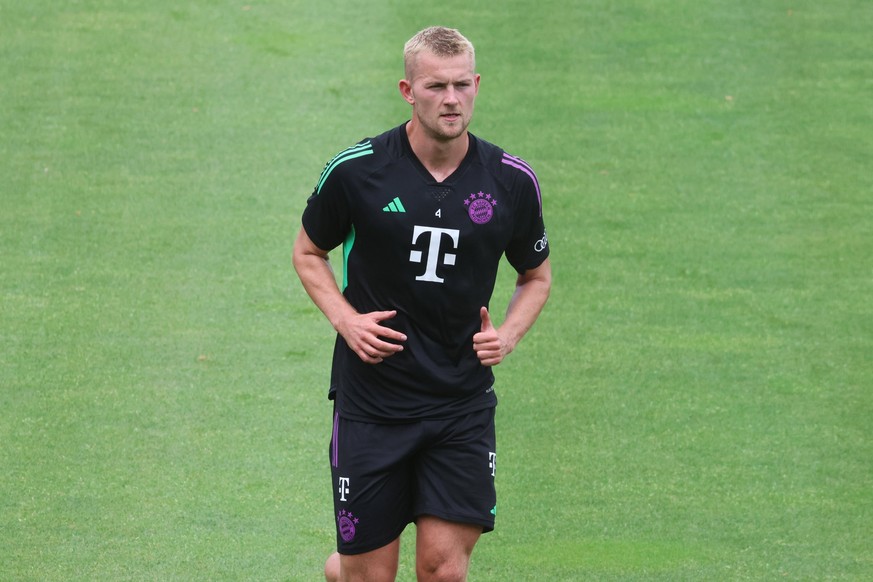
546 278
546 288
296 259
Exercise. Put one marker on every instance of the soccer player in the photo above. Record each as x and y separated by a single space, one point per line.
424 212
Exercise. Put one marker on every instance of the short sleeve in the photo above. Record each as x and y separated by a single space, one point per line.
529 245
327 216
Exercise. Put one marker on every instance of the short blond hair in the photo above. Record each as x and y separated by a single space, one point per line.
439 40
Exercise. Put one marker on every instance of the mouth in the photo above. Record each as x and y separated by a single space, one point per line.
451 117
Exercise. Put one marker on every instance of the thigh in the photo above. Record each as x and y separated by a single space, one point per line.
443 548
455 472
379 565
372 483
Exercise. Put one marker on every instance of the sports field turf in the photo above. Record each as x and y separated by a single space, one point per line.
696 402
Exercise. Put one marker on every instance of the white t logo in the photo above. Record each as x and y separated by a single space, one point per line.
433 251
343 487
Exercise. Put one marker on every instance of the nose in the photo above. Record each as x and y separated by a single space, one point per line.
451 95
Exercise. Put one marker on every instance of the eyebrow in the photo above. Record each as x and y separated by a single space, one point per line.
438 81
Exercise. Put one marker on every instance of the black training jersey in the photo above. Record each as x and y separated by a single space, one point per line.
429 250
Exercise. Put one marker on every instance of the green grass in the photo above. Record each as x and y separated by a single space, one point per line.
694 404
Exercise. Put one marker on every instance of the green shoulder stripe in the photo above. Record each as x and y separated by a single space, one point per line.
356 151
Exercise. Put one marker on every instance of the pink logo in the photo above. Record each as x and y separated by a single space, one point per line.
480 207
347 525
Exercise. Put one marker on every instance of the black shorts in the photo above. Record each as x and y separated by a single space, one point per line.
387 475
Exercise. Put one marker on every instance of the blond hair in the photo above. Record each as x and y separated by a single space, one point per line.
439 40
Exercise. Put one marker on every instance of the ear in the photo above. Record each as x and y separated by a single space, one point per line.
406 91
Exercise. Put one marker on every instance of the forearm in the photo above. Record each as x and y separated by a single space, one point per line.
530 296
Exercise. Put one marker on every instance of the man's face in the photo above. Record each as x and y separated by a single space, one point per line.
442 93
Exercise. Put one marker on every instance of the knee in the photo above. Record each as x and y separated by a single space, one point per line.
442 571
332 568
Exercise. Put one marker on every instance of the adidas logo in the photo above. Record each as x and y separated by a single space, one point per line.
394 206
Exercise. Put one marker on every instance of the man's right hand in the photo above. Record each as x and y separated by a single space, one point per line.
365 335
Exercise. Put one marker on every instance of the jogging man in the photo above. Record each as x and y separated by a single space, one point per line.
424 213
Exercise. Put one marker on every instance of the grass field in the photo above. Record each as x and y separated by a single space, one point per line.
696 403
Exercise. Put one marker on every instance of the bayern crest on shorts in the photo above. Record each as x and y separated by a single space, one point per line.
347 525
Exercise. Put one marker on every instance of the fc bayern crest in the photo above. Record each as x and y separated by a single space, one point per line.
347 523
480 207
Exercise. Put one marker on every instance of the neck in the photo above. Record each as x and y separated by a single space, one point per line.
439 157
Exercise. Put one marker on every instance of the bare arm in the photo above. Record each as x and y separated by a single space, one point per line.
362 331
531 292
